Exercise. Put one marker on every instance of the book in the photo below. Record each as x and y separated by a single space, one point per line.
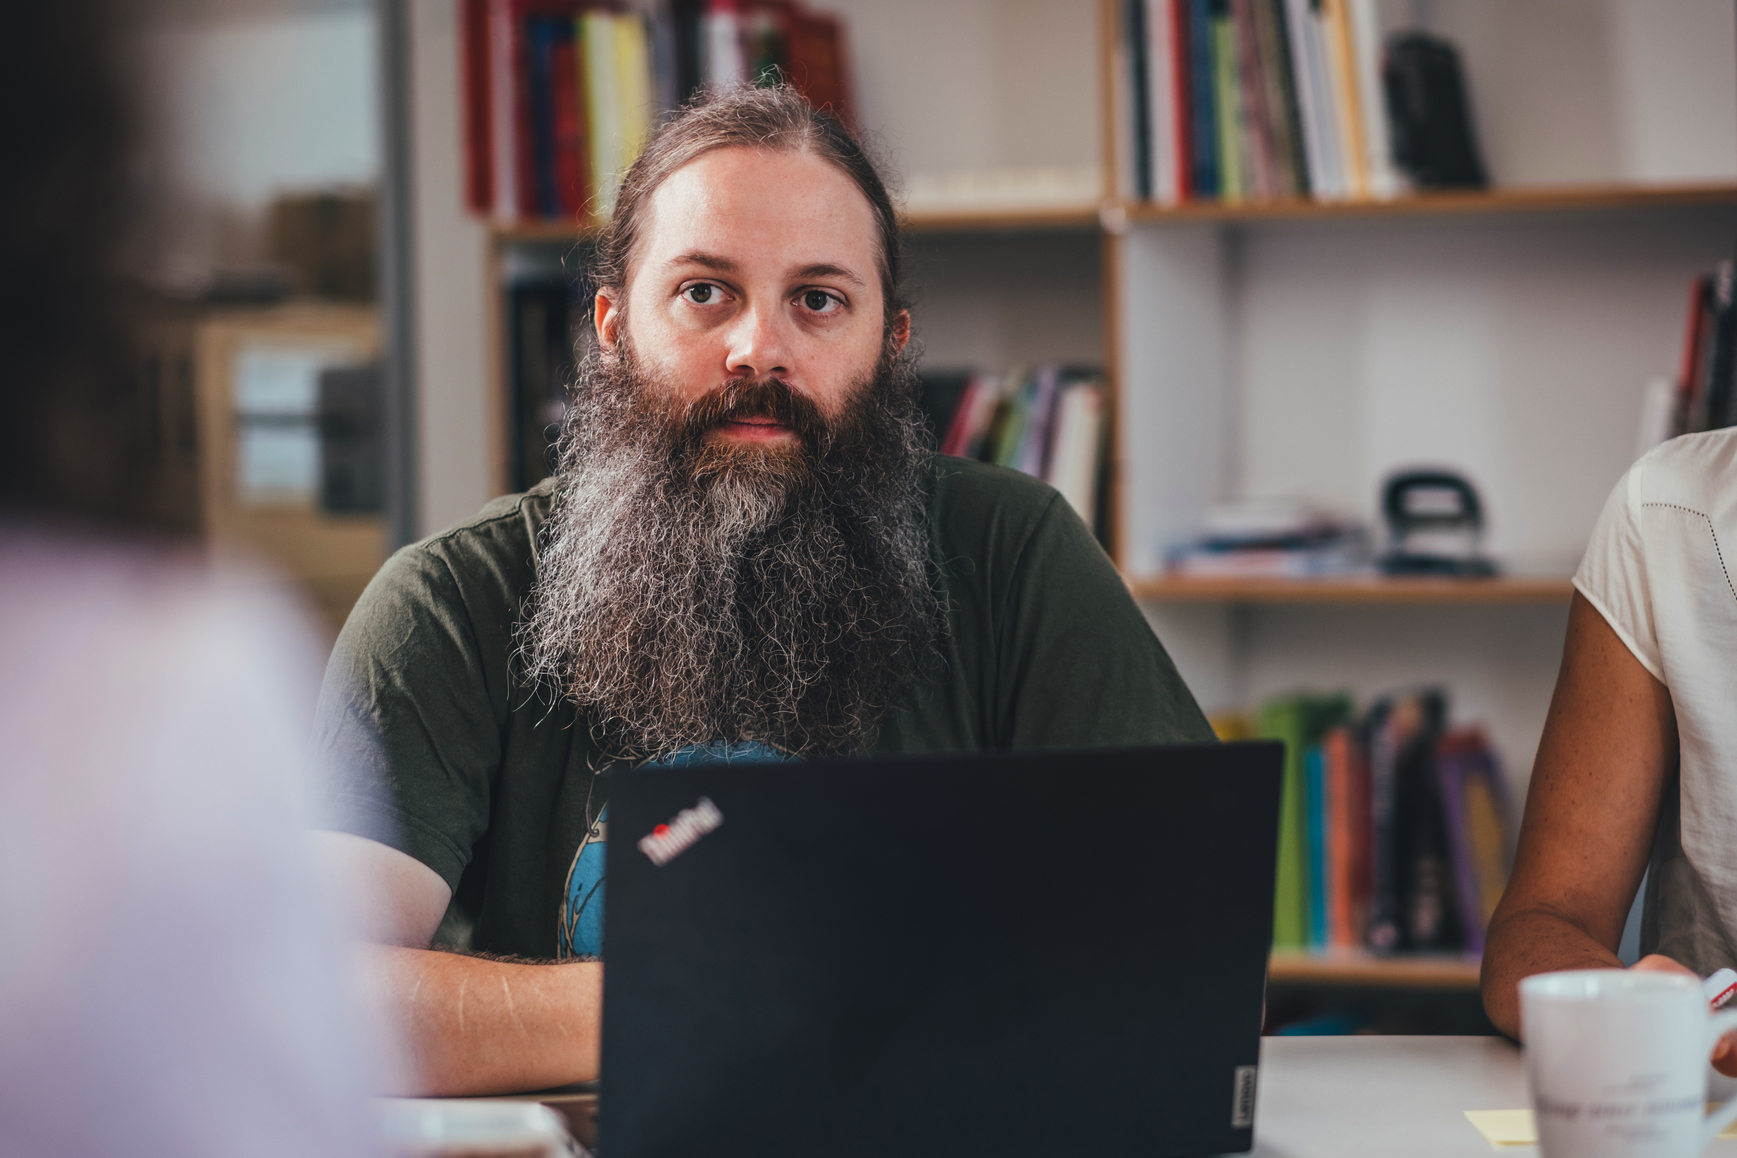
1320 803
503 132
1341 62
570 147
1259 177
559 96
1298 721
725 64
1139 100
1207 181
1166 101
1326 155
1227 100
1475 810
1382 177
1074 466
817 64
1279 81
1697 351
540 38
1723 356
479 178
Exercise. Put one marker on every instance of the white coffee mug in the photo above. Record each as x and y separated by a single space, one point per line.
1617 1061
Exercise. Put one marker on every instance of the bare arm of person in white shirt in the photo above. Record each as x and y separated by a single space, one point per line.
1608 750
471 1025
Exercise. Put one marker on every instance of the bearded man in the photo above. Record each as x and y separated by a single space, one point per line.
749 552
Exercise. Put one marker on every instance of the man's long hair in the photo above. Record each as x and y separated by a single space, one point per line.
692 590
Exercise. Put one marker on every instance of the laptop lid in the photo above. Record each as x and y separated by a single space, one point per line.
1052 952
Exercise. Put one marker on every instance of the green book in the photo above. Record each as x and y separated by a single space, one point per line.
1228 90
1299 721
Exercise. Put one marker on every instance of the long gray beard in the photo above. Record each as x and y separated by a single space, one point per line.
691 591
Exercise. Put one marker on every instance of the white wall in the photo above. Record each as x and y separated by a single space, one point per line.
1590 91
967 85
243 108
450 295
1514 349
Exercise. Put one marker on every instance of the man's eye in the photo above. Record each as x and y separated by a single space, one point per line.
821 302
702 294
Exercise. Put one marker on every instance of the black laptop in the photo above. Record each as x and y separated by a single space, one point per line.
1042 954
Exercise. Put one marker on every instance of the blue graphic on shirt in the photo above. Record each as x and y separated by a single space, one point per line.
581 929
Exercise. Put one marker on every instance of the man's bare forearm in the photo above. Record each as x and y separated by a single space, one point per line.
1534 939
475 1025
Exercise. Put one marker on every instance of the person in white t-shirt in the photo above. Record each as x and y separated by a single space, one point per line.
1637 767
171 977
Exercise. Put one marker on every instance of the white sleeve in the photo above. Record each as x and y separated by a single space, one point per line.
180 987
1613 573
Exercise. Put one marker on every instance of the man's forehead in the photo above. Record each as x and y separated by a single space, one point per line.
736 207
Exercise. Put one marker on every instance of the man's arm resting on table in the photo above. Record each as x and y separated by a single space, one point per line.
470 1025
1609 745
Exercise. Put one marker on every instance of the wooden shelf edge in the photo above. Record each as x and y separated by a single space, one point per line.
543 231
981 219
1358 590
1357 968
988 219
1525 200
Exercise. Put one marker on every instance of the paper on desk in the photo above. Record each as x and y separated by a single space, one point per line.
1516 1127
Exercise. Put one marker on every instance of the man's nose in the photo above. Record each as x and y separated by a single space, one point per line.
759 347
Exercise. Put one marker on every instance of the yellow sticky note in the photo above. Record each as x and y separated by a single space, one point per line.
1517 1127
1505 1127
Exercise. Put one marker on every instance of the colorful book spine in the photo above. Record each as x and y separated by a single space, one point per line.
1164 90
1320 801
1383 177
1281 90
1208 182
1139 100
1227 96
1342 69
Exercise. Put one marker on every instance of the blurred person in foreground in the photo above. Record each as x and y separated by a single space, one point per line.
169 977
750 552
1637 768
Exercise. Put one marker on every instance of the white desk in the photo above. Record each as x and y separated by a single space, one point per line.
1364 1097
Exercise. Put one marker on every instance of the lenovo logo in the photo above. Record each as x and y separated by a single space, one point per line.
668 841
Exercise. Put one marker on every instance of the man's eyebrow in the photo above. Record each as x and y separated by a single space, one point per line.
710 261
826 269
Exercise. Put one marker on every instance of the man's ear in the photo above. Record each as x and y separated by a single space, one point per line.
607 317
901 329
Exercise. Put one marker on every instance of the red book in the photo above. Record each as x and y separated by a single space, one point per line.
571 157
524 131
479 187
818 67
1184 131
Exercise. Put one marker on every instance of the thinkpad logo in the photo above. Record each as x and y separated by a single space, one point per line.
668 841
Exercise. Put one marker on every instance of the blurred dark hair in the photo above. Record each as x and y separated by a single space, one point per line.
778 118
65 133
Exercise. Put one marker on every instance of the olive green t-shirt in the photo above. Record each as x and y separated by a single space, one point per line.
492 785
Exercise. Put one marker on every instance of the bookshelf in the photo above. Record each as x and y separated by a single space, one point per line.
1309 347
1365 969
1509 590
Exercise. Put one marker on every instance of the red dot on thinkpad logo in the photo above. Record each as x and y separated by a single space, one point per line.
660 830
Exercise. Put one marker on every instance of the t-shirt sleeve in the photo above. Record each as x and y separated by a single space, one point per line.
1080 665
408 717
1613 574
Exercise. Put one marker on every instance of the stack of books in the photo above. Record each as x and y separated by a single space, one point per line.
1048 422
1272 539
1394 829
1706 388
560 95
1243 100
